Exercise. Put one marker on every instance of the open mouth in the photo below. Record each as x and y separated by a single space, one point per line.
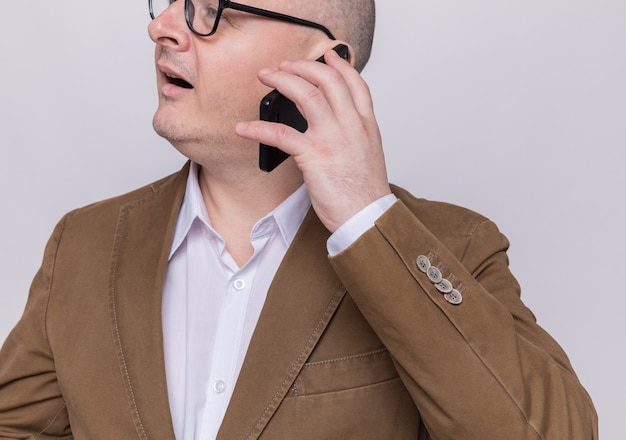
178 82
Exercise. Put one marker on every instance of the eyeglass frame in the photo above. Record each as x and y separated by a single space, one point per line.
227 4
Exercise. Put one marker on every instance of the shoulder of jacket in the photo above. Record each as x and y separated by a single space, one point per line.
107 210
441 218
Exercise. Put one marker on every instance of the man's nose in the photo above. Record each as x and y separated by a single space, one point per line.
169 29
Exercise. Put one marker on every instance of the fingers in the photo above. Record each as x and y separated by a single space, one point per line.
359 89
286 138
322 91
324 94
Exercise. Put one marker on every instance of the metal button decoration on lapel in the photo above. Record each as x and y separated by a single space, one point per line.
442 284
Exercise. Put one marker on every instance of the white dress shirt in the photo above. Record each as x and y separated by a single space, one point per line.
211 306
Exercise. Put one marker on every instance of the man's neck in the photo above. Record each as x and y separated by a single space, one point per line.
235 201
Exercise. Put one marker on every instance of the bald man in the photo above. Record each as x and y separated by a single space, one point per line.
314 301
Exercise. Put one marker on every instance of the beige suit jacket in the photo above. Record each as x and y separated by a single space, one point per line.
359 346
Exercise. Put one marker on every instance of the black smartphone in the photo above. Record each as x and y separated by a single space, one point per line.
276 108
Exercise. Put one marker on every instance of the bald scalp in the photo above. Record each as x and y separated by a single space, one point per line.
353 21
349 20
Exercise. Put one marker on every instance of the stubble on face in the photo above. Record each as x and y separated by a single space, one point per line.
170 118
200 123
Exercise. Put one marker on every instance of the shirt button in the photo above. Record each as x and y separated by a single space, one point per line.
239 284
219 387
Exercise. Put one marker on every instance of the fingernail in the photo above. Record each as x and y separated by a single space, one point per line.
265 71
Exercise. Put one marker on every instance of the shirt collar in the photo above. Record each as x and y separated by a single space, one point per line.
288 216
291 212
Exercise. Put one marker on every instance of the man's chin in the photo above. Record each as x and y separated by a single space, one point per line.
191 142
165 127
160 129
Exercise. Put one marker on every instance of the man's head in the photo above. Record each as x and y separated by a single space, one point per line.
208 84
350 20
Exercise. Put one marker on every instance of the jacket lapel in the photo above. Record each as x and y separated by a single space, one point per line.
142 243
302 299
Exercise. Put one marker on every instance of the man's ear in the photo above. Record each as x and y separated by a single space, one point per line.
352 53
327 45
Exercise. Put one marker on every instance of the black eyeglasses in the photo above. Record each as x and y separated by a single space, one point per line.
203 16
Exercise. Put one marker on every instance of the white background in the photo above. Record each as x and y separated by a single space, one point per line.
516 109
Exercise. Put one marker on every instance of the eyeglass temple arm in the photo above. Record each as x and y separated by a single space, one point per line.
278 16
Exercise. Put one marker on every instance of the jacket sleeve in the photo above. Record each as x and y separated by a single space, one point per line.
480 369
31 404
